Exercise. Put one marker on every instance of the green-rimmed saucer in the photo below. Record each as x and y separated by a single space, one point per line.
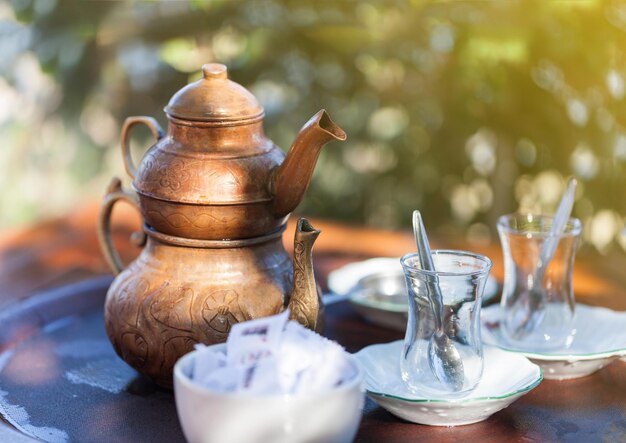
599 338
506 377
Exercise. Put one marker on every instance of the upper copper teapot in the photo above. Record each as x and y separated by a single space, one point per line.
215 175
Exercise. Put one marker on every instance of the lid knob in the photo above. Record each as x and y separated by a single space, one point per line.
214 70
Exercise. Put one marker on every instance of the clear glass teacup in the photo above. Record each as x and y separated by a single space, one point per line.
462 277
538 307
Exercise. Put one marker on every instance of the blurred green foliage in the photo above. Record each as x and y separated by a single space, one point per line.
466 110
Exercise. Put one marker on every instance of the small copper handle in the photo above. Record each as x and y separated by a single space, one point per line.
154 127
114 194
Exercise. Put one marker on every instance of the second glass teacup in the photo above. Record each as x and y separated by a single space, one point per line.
461 277
537 307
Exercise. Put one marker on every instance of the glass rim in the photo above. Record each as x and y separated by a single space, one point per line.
487 263
504 225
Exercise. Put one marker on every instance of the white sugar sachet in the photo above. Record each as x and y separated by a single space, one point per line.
329 364
271 355
207 361
309 362
224 379
262 378
250 341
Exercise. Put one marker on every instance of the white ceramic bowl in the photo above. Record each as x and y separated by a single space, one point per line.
212 417
387 308
506 377
600 338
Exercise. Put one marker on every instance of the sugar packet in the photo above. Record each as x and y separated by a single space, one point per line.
272 355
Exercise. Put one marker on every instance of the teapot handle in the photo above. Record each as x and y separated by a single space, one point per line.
114 194
154 127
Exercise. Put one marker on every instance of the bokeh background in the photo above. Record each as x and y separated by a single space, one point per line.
466 110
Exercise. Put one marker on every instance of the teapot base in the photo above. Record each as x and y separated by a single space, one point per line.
180 292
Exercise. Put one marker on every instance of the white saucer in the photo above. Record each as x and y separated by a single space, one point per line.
391 312
506 377
599 339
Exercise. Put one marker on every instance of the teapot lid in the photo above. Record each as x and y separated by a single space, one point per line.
215 98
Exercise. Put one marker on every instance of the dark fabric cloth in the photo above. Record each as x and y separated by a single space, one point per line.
67 384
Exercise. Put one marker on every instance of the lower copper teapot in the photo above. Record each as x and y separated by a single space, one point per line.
181 291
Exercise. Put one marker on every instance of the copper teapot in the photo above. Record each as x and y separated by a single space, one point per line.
215 175
215 195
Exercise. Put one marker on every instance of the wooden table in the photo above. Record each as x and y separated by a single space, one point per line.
592 408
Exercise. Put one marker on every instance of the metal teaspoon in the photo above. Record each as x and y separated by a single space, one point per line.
535 308
444 358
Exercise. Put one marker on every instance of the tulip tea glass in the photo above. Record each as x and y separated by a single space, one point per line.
461 277
537 303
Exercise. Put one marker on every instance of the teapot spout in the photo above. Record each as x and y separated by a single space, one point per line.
292 178
305 304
